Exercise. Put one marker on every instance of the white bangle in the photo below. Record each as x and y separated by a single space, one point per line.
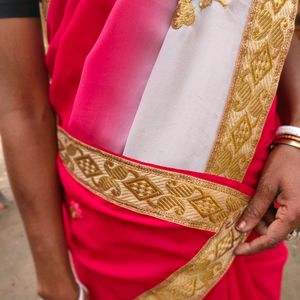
291 130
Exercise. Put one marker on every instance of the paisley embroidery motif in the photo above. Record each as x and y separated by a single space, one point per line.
165 195
263 50
187 200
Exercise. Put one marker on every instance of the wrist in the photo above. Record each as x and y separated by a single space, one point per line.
287 135
294 122
59 290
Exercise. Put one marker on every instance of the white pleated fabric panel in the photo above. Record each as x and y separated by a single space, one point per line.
183 103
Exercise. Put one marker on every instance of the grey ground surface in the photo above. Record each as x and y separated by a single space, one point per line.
17 280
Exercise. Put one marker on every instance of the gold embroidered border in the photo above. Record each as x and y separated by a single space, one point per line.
190 201
166 195
264 47
195 279
44 6
169 196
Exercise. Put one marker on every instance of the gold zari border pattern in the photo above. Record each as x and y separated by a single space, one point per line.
169 196
195 279
187 200
264 47
166 195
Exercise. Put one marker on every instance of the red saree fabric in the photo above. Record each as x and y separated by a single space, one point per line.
100 56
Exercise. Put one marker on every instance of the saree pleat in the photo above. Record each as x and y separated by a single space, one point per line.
101 55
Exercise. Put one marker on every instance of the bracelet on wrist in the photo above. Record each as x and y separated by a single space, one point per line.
288 130
287 135
289 142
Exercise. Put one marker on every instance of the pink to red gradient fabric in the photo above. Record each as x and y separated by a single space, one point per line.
100 57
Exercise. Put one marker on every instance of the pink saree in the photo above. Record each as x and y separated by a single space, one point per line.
103 57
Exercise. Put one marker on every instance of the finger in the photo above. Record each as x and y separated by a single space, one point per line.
262 227
269 216
276 233
254 212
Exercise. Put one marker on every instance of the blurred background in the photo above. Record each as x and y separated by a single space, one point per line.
17 279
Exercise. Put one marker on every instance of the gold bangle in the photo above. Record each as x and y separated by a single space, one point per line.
292 143
289 137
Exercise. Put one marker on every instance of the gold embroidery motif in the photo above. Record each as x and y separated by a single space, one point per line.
87 166
205 205
184 14
170 196
223 2
166 195
195 279
263 50
205 3
190 201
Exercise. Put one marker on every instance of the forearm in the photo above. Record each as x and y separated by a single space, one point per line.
289 87
29 147
28 130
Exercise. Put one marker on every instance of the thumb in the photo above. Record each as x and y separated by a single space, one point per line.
265 194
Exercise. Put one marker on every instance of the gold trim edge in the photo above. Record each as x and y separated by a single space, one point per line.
263 50
194 280
166 195
108 173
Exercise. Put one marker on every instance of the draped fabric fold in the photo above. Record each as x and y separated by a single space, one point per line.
133 230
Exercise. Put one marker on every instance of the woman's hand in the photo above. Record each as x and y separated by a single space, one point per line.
280 182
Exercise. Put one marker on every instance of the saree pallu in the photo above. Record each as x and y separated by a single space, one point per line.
162 137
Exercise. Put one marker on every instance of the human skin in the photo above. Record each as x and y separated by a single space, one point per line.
27 125
280 177
28 130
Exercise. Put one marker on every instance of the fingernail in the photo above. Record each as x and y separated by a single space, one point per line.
241 226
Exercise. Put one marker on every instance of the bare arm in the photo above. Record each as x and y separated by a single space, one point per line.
289 87
281 175
27 126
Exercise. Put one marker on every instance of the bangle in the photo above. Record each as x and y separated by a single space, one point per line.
292 143
288 137
290 130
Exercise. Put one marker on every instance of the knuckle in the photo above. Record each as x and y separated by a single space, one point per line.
265 187
272 242
253 212
292 216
